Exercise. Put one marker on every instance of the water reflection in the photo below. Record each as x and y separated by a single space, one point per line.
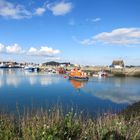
12 77
13 81
77 84
117 90
43 79
1 82
48 80
8 77
32 80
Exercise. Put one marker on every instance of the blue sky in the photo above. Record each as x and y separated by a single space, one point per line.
89 32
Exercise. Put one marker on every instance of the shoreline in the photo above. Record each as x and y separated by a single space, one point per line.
124 72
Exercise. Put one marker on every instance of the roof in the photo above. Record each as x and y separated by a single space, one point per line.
118 62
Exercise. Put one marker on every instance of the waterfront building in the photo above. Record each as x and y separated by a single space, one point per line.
118 64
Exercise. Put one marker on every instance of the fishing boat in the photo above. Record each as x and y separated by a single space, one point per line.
77 74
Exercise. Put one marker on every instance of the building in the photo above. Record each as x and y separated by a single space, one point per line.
118 64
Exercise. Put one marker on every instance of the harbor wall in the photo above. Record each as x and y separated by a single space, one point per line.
135 71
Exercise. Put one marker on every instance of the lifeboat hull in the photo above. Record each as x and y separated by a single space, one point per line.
78 78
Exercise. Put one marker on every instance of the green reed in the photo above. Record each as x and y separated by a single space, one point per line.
55 125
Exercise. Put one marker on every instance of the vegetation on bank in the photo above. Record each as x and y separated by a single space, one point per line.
54 125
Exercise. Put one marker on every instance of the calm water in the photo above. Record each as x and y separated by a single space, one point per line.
34 90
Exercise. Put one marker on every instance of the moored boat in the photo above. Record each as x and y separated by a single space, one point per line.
31 69
77 74
2 65
100 74
80 78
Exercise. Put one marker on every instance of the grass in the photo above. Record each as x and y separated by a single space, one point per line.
54 125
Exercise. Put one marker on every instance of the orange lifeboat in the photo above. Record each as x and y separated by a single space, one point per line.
78 75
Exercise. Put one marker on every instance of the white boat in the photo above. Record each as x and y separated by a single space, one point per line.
29 68
100 74
2 65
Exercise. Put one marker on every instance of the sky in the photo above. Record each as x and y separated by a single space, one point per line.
88 32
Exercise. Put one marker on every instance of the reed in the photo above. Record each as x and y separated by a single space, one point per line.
55 125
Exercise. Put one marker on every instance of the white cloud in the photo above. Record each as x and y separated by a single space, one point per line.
40 11
10 10
120 36
17 11
14 49
43 51
87 42
96 19
11 49
84 42
60 8
53 58
32 51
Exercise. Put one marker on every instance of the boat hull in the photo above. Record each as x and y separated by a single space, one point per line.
78 78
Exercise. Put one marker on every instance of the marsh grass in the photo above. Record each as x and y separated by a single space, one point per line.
56 125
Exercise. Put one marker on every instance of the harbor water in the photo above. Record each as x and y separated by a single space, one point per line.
22 89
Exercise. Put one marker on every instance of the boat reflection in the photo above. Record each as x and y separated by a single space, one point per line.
77 84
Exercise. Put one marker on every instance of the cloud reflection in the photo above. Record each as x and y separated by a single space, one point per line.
43 79
117 90
9 77
13 81
32 80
